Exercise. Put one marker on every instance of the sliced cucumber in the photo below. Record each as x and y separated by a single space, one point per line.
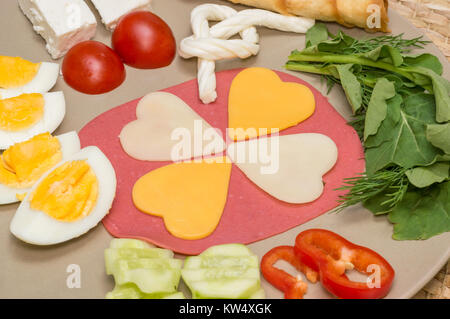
203 274
131 291
155 275
259 294
128 291
142 271
226 271
220 262
177 295
232 250
224 289
129 243
114 254
150 263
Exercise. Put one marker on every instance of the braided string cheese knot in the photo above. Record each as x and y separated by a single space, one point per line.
210 48
212 44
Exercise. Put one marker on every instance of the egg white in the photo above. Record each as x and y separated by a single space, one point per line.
38 228
54 112
42 82
70 144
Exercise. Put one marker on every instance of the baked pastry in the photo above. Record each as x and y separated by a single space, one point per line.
350 13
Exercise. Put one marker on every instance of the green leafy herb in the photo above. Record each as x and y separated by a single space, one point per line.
316 35
422 213
438 135
401 136
391 184
401 108
425 176
377 108
351 86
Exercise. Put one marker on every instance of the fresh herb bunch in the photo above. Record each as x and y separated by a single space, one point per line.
401 108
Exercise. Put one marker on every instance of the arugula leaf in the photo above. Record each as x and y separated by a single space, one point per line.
422 213
401 136
441 88
351 86
377 109
439 136
338 44
318 33
422 177
385 53
425 60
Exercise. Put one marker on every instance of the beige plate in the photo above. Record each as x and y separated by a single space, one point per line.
40 272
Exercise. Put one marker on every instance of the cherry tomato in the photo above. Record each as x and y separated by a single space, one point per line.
144 41
93 68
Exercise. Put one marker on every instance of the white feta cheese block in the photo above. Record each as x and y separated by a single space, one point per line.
112 10
62 23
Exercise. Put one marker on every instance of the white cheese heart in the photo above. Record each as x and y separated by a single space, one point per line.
289 167
167 129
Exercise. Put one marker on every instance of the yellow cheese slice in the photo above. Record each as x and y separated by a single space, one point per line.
260 103
189 196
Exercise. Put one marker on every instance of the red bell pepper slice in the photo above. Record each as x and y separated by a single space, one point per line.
330 255
293 288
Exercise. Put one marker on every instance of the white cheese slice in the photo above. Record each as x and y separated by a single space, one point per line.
112 10
288 167
62 23
167 129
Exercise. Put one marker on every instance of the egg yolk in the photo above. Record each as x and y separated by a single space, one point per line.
16 72
24 163
20 112
68 193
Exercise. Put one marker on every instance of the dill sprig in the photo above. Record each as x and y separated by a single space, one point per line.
396 41
392 183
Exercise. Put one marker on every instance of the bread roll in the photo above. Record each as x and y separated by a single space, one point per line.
349 13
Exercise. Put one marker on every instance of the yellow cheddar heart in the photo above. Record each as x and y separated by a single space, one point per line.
189 196
260 103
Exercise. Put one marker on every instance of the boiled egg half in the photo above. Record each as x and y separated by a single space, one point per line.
67 201
18 76
30 114
24 163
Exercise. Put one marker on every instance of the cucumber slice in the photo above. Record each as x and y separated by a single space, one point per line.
207 274
131 291
259 294
129 243
155 275
150 263
220 262
128 291
228 271
151 280
178 295
232 250
114 254
142 271
240 288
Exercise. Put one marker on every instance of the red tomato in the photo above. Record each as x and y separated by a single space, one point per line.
93 68
144 41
